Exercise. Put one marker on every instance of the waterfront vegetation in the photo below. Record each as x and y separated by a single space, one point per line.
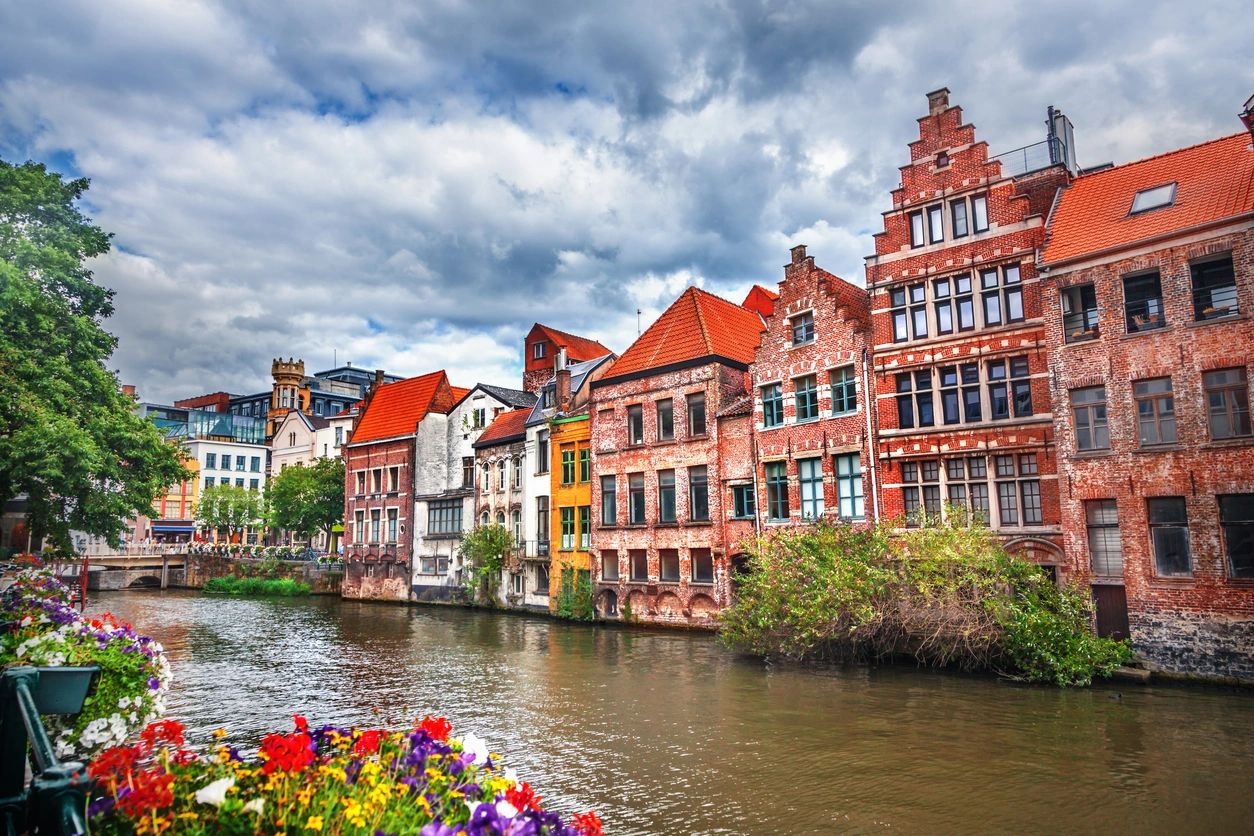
274 587
574 595
945 594
484 548
45 629
328 779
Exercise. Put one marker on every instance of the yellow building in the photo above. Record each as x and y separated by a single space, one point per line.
570 445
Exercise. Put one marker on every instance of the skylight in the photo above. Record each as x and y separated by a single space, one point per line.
1155 198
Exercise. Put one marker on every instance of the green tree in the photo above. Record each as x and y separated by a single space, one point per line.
70 440
484 548
308 499
230 508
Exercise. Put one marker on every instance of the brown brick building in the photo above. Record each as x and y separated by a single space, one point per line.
960 362
545 350
1148 287
658 537
809 384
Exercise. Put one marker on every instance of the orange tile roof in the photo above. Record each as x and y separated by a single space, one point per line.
696 325
760 300
459 392
577 348
1215 181
512 424
396 408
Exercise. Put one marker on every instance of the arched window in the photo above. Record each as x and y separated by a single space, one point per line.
484 519
500 518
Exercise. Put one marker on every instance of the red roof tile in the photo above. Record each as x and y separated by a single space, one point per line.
577 348
512 424
396 408
760 300
697 324
1215 181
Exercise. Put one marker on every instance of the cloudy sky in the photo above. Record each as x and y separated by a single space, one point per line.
410 185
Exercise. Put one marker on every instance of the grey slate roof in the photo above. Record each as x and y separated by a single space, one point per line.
517 398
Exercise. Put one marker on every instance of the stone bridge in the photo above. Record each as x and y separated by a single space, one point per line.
129 570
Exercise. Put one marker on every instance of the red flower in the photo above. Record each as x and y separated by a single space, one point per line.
523 797
437 727
163 731
368 743
588 824
302 725
149 790
288 752
114 762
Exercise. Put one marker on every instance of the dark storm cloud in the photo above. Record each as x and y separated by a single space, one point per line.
410 185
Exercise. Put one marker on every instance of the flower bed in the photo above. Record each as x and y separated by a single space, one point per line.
351 781
134 674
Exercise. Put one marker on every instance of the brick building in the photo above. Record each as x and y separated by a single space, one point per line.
1148 288
658 537
379 484
501 462
810 376
546 350
960 363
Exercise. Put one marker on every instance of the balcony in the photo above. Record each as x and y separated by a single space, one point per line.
1034 157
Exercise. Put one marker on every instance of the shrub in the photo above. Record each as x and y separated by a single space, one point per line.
275 587
134 672
575 598
945 594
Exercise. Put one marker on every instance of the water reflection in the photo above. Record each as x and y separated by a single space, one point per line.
665 732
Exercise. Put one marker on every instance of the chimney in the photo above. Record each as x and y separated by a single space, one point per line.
798 253
560 361
937 101
378 378
129 390
1247 116
563 389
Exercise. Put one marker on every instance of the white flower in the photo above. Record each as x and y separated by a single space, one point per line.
214 793
506 810
510 775
125 702
472 745
254 806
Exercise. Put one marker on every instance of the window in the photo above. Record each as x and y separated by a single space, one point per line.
1155 411
548 397
1088 408
376 480
485 519
239 483
916 229
958 218
698 493
1002 295
502 467
208 481
915 409
696 413
920 500
339 436
802 328
979 214
393 521
444 516
609 500
1169 533
585 526
254 484
516 583
810 473
567 523
777 491
806 390
211 461
666 496
918 310
1143 302
666 420
639 560
635 424
1236 518
609 566
1105 553
361 482
1227 403
844 391
394 479
568 466
943 306
702 565
359 527
900 314
1214 289
537 351
291 439
542 525
935 224
743 502
772 405
1155 198
542 580
486 482
374 525
542 451
585 464
239 463
517 471
1009 388
967 481
468 471
480 419
635 498
668 564
849 486
1079 313
942 159
1018 502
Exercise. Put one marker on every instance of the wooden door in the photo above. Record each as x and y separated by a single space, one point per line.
1111 604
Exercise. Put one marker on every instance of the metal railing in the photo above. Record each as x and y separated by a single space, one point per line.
1034 157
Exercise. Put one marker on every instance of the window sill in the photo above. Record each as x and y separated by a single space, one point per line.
701 583
805 344
663 442
1081 340
1198 323
1242 441
801 421
1132 335
699 523
1093 454
1167 581
1158 448
667 524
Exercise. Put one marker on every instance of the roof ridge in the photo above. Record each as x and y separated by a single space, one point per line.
705 334
1159 156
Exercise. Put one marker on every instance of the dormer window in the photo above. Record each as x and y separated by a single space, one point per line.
537 351
942 159
550 397
1155 198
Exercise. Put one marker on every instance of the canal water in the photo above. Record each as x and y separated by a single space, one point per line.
671 733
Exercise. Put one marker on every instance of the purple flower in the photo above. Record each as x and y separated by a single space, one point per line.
437 828
154 684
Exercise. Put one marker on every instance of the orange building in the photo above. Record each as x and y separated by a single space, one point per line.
570 445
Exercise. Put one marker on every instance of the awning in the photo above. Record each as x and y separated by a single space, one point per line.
337 529
173 527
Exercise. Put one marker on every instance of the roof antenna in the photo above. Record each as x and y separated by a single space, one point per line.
637 322
335 359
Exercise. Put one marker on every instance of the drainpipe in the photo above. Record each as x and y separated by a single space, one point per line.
868 402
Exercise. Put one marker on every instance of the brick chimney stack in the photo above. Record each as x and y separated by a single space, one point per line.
1247 116
563 389
938 101
129 389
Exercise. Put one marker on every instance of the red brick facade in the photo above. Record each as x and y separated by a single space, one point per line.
378 565
960 364
809 414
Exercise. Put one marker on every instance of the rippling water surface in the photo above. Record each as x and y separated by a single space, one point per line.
670 733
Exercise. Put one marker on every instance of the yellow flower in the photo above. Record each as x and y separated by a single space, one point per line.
314 823
304 795
219 733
